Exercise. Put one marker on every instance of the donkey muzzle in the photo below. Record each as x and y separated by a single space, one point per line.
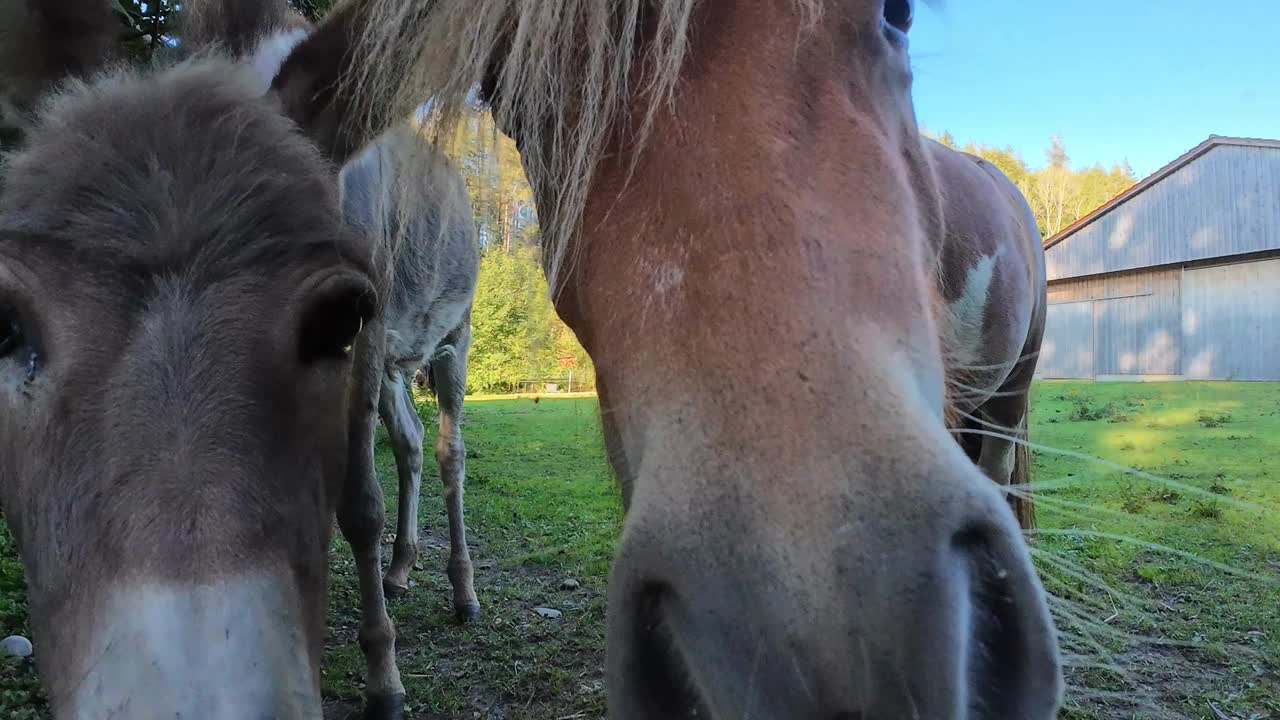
231 648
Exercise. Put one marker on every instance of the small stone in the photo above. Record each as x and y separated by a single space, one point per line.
570 584
16 646
548 613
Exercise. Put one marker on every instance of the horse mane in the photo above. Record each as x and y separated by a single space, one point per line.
563 76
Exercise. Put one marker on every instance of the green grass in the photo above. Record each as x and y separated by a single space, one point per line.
1165 635
1184 617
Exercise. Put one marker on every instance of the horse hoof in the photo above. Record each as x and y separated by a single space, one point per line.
393 589
384 707
466 613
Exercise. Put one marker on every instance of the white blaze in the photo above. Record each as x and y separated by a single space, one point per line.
967 310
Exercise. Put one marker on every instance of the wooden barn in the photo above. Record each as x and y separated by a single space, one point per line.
1176 278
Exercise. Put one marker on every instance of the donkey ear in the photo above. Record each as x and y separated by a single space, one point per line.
313 85
43 42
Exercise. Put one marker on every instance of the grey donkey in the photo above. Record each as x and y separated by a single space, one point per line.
428 323
184 231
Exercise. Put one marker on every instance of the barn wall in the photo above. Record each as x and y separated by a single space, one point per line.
1203 322
1231 321
1222 203
1067 350
1127 324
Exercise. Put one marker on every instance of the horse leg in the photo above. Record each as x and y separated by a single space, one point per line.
404 429
361 515
1005 459
449 370
996 458
969 441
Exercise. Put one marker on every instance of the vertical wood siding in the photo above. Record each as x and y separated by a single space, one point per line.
1067 350
1231 321
1134 324
1220 322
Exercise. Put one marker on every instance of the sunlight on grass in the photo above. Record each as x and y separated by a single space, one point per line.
1170 590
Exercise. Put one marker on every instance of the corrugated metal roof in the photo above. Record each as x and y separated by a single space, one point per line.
1157 176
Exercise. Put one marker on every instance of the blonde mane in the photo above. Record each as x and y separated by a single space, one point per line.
568 73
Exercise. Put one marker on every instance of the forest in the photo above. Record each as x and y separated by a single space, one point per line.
1058 193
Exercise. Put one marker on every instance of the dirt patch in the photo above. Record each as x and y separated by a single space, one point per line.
512 664
342 710
1166 682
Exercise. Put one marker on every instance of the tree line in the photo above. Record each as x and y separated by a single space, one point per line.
1058 194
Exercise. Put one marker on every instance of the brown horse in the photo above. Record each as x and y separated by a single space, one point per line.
992 279
172 228
734 188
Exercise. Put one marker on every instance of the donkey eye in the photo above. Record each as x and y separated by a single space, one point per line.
333 323
898 14
11 336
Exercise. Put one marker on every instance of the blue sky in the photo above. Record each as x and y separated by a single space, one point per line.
1142 79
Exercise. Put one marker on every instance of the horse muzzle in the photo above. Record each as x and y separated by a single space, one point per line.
901 591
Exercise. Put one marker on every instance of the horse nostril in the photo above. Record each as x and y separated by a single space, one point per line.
661 676
998 630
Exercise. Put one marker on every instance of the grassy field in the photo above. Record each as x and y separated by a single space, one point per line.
1166 580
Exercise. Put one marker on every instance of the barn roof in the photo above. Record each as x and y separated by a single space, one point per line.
1155 177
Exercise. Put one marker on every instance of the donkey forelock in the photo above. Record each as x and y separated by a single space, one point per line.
222 185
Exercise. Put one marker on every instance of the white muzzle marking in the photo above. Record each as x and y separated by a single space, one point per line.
230 650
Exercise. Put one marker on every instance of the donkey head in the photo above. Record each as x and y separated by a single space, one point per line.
173 234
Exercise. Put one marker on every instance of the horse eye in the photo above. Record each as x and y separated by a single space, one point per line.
333 323
898 14
10 332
